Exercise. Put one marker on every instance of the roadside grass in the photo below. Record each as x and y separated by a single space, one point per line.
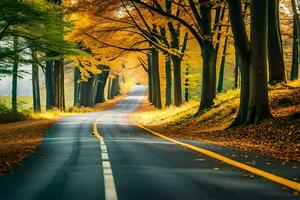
224 102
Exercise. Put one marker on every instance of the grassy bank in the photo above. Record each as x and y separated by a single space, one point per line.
278 137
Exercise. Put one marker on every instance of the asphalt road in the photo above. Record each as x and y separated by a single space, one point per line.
131 164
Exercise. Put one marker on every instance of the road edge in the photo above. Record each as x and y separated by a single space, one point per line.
267 175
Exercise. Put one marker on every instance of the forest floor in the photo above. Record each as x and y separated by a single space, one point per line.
278 137
20 139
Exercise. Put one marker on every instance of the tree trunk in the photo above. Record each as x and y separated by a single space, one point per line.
236 71
102 79
258 108
15 74
168 81
35 83
208 57
207 93
76 87
109 89
58 82
275 52
88 91
217 47
186 88
295 60
49 82
297 22
150 78
242 51
156 78
177 80
175 44
222 67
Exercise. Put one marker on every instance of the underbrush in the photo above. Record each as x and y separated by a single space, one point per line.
7 115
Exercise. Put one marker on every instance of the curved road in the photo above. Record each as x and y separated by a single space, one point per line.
130 164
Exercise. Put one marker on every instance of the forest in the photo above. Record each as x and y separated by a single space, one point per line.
224 72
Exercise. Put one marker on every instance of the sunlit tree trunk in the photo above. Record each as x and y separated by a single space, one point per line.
275 51
15 73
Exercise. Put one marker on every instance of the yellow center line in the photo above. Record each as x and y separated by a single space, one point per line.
272 177
109 183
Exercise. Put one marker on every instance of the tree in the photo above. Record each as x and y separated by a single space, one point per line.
296 43
275 52
254 105
15 74
35 82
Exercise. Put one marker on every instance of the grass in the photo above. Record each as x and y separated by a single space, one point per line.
278 137
188 110
24 102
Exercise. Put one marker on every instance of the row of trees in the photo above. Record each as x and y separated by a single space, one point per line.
92 91
166 26
33 33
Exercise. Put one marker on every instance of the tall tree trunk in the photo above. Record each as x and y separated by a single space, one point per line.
102 79
258 108
49 82
177 80
35 83
207 93
15 73
222 66
150 79
236 70
275 52
296 57
295 60
186 84
58 82
109 89
297 21
76 87
168 81
156 78
242 48
217 47
208 57
88 91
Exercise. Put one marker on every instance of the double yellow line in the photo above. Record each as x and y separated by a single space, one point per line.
277 179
